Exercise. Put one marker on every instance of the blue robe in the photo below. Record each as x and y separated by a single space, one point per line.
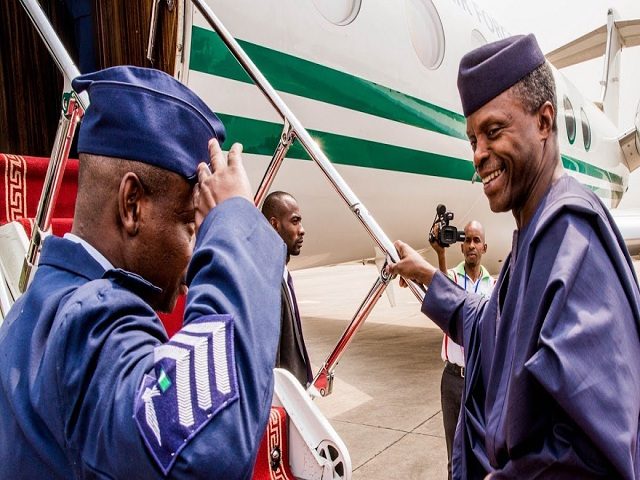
552 387
91 387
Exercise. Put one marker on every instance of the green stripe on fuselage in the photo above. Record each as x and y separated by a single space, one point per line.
317 82
585 168
210 55
260 138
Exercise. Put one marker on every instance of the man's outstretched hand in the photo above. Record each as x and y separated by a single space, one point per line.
411 265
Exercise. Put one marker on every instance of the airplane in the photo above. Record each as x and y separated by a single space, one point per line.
384 109
386 112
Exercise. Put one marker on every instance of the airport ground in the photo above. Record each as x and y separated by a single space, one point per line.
386 397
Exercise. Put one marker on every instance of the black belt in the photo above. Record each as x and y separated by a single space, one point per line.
453 368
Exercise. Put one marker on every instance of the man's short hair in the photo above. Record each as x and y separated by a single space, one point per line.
273 204
535 89
99 179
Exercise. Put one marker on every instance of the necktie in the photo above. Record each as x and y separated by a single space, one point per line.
296 313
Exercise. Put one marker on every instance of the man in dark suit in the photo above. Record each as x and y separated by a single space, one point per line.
283 213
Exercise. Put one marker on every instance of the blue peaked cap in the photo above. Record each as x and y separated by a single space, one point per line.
489 70
148 116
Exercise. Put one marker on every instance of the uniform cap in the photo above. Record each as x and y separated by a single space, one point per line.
489 70
145 115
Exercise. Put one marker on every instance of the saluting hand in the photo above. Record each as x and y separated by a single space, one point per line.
227 178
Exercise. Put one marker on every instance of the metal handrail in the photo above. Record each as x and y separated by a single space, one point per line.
73 108
56 48
70 117
318 156
323 381
286 140
293 129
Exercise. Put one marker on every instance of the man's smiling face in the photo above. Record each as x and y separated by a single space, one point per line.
508 151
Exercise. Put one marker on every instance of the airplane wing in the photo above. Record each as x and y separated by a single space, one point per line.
628 222
593 44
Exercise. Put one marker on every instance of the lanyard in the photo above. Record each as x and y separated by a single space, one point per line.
477 283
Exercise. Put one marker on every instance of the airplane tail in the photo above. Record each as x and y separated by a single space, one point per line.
607 40
610 83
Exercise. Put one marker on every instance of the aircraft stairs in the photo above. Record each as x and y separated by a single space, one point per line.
299 441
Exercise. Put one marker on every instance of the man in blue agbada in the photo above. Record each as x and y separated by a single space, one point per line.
90 385
552 388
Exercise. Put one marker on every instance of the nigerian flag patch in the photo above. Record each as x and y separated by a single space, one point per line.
164 382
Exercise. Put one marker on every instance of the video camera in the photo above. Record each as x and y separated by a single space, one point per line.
448 234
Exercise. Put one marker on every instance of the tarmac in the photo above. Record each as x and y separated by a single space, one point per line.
386 396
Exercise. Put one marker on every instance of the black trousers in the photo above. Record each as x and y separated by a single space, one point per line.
451 387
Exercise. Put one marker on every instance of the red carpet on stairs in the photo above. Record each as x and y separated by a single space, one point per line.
272 462
21 185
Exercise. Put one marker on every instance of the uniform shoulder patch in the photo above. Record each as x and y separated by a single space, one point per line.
193 378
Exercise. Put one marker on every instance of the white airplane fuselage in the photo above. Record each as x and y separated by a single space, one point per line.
380 98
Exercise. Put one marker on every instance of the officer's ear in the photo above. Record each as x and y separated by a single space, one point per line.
130 197
274 223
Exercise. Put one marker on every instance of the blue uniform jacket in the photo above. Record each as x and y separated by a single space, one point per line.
552 387
90 386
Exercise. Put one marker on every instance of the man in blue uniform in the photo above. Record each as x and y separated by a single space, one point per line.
90 385
552 384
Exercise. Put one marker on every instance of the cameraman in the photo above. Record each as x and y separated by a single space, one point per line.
472 277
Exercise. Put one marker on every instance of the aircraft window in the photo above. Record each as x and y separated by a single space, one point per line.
427 34
586 130
338 12
570 119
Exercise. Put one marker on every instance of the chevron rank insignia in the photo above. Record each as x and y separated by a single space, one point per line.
194 377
